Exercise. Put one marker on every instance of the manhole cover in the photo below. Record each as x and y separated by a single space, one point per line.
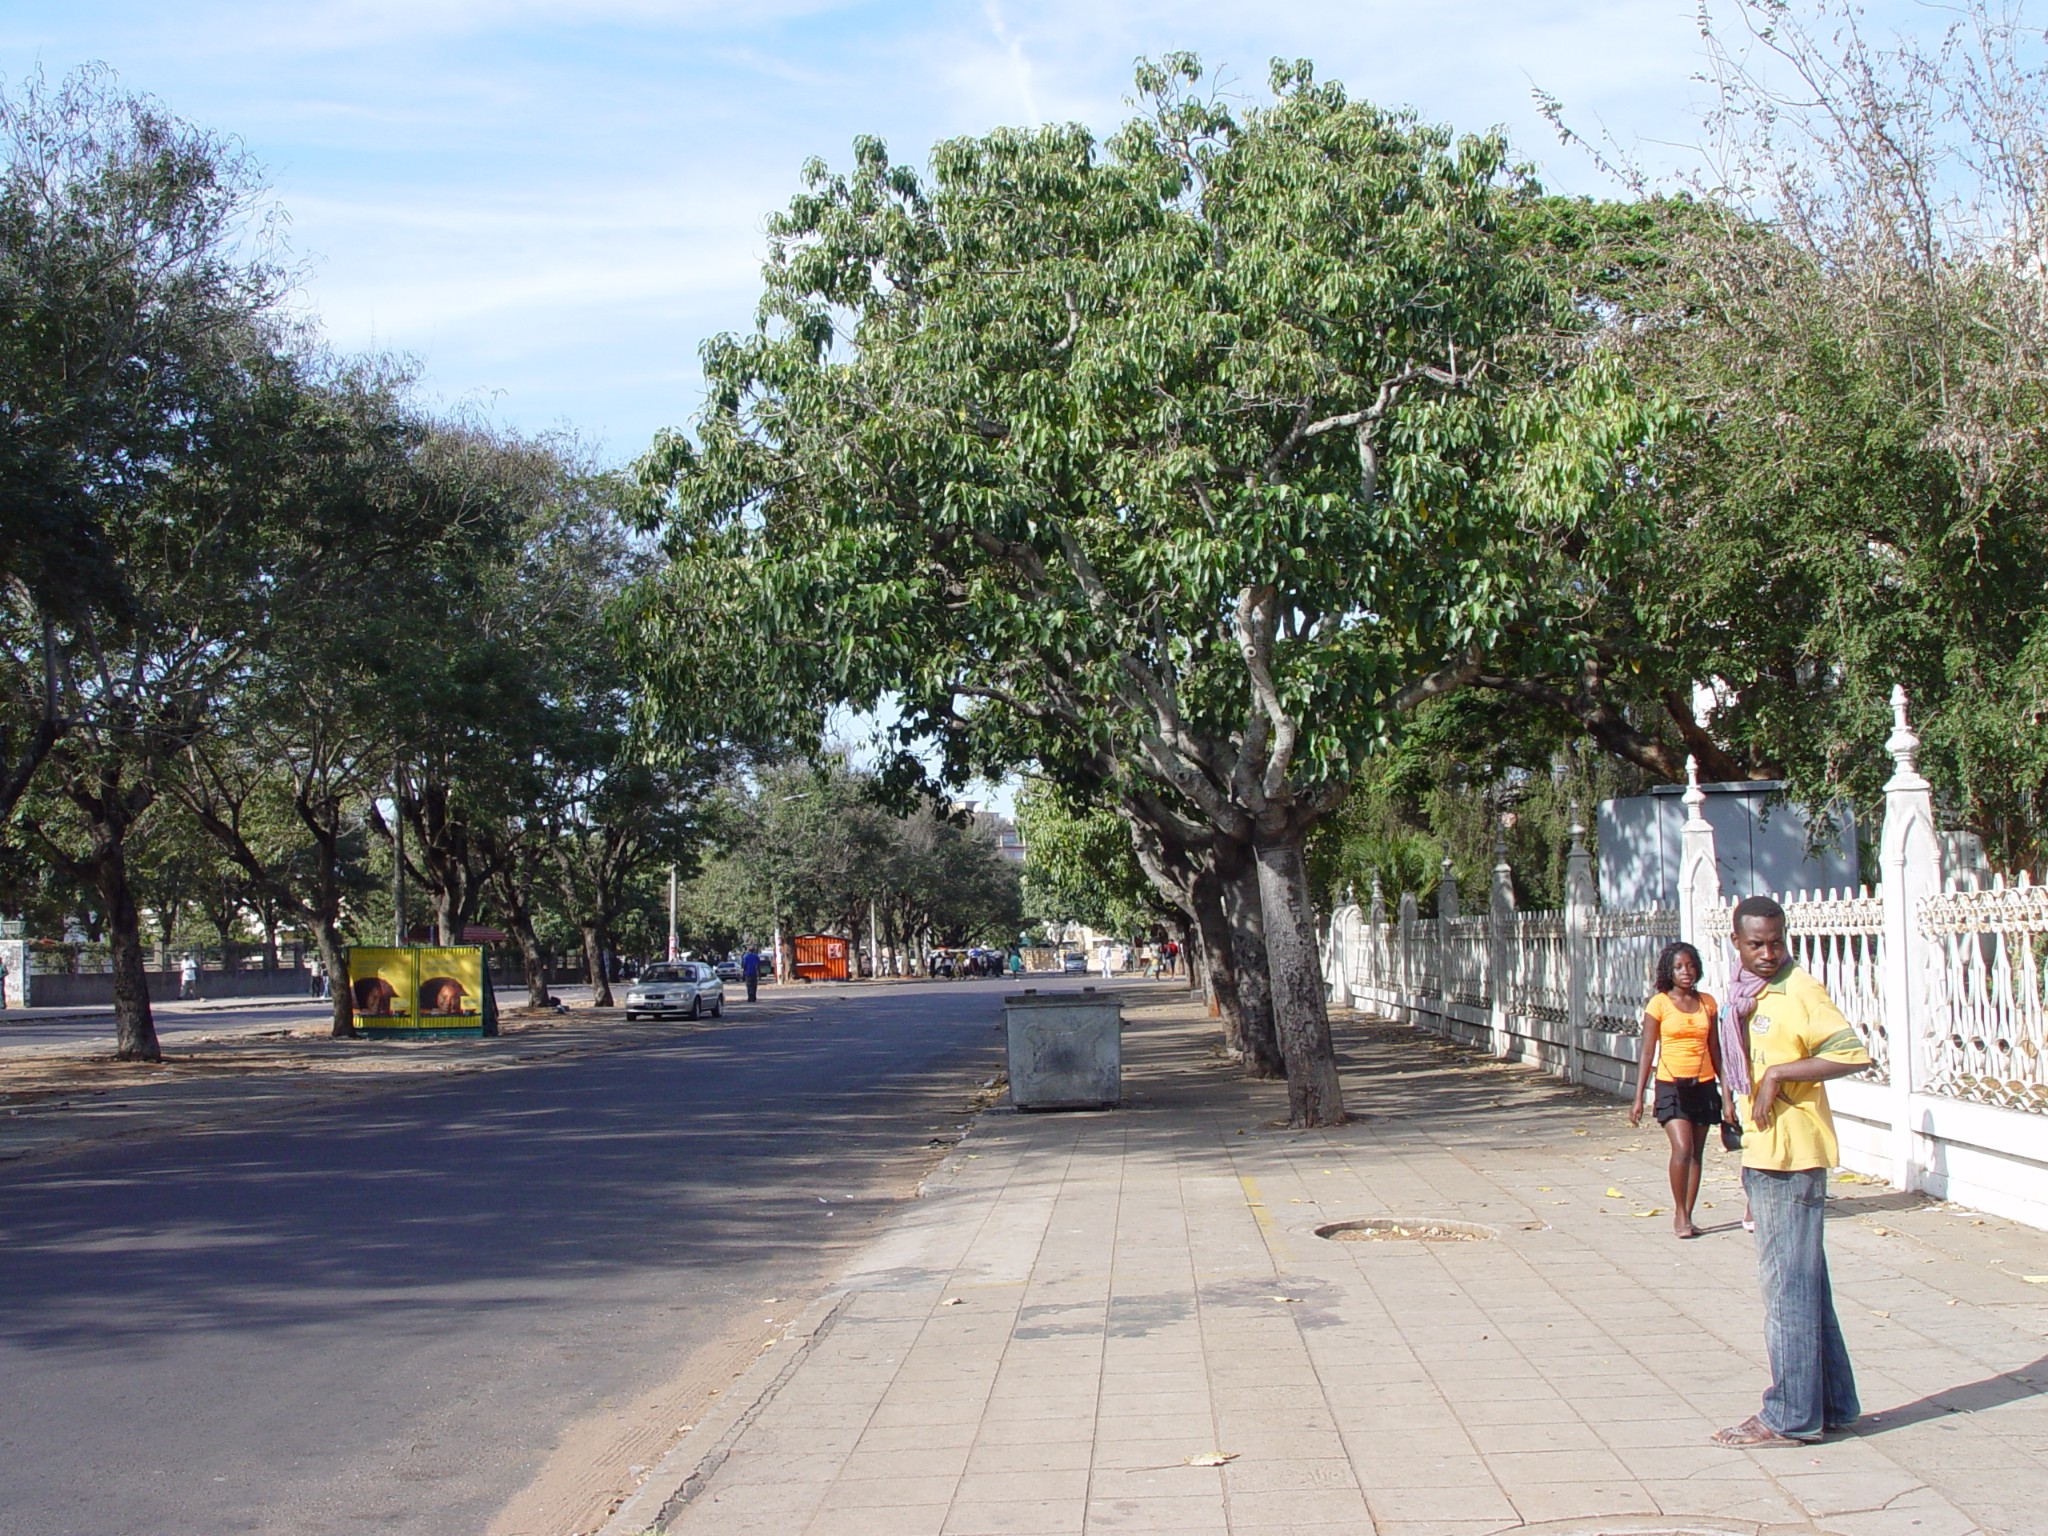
1405 1229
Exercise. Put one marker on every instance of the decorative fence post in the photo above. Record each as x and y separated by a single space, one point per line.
1702 913
1909 857
1376 948
1340 961
1579 901
1446 942
1500 935
1410 967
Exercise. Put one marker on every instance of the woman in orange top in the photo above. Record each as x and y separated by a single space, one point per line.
1679 1035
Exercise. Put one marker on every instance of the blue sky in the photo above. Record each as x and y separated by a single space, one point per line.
550 203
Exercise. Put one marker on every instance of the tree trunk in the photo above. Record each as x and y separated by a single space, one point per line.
334 960
533 965
1245 917
1314 1096
134 1025
593 963
1219 969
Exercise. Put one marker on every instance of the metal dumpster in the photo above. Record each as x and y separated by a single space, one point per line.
1065 1049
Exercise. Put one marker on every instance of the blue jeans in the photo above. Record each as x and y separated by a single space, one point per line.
1812 1386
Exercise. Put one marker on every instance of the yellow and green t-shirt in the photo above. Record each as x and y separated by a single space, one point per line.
1796 1019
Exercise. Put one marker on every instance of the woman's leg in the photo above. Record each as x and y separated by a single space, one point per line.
1684 1171
1700 1133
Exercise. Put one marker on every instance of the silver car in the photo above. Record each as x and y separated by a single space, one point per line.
685 987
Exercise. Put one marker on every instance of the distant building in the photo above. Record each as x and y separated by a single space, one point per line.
1009 842
1761 845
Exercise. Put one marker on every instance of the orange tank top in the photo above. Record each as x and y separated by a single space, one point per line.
1682 1038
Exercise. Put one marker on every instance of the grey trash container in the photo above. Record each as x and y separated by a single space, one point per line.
1065 1050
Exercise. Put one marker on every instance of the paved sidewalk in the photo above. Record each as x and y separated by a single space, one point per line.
1086 1304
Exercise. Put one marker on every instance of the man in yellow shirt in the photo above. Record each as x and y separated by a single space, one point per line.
1797 1040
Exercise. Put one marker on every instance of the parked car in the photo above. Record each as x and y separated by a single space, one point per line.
1074 965
729 969
687 987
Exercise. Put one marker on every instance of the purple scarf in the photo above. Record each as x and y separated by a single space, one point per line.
1745 987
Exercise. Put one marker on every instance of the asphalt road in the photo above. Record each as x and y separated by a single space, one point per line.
30 1031
381 1317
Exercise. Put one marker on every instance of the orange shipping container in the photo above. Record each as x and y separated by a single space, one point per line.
820 957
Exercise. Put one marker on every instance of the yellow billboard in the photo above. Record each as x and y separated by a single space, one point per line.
415 990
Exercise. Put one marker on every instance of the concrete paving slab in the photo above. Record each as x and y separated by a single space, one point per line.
1083 1305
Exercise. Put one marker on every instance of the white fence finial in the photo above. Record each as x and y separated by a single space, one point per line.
1904 746
1695 797
1577 827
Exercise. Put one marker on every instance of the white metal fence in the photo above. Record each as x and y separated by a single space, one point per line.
1948 988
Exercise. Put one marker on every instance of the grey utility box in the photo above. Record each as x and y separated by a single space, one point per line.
1065 1050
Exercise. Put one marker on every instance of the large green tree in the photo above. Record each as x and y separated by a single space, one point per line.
1847 307
1210 446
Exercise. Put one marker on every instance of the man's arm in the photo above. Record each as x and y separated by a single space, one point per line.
1814 1069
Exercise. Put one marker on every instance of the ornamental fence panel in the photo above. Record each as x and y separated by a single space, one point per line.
1837 937
1465 942
1624 951
1539 981
1988 1002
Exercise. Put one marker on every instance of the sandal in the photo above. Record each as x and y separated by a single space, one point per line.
1751 1434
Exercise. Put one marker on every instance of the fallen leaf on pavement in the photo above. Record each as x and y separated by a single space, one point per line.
1615 1194
2035 1279
1211 1458
1283 1298
950 1301
1655 1210
1875 1313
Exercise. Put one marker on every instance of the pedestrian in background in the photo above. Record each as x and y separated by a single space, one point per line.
1678 1035
1782 1039
188 977
750 967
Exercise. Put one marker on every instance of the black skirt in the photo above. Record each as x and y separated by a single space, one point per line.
1687 1098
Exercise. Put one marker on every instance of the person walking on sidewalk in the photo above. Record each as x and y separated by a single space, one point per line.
1782 1039
750 967
188 978
1678 1035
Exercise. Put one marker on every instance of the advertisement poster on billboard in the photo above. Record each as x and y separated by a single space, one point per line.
416 991
380 986
451 987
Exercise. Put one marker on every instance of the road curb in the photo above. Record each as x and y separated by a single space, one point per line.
683 1473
